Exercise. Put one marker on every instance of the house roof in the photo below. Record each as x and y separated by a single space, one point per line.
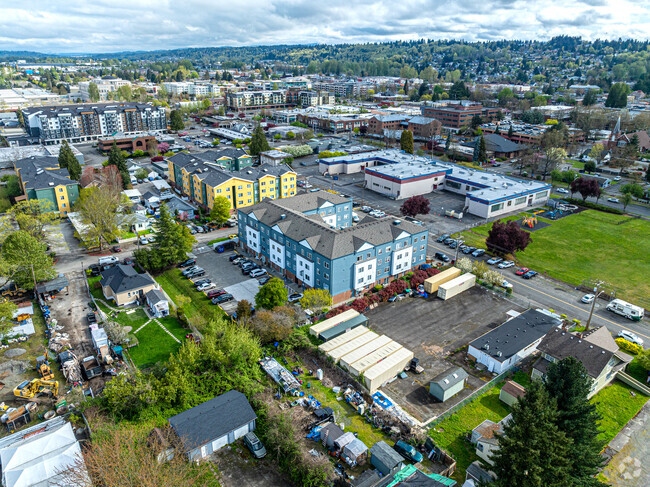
450 377
488 430
323 239
562 344
123 278
385 454
496 143
212 419
420 120
477 472
59 282
602 337
155 296
514 389
411 476
514 335
35 174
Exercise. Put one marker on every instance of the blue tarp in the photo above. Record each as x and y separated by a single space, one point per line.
382 400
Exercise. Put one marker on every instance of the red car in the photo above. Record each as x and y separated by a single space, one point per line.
215 293
522 271
116 248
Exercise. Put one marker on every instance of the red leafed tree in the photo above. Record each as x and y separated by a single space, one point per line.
507 238
432 271
415 205
586 187
163 147
418 278
360 304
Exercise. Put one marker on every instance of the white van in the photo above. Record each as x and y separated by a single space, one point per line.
108 260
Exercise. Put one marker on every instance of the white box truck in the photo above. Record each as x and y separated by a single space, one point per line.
630 311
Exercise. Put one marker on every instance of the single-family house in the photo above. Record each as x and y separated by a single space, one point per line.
485 437
508 344
273 157
596 349
206 428
476 474
140 223
151 200
133 195
448 384
511 392
185 210
157 303
385 459
123 284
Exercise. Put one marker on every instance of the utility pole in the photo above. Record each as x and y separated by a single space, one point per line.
598 290
458 244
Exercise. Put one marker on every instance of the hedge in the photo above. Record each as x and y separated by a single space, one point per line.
594 206
628 346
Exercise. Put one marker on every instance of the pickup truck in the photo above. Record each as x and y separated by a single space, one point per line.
91 368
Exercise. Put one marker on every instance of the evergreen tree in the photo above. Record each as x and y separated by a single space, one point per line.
532 452
617 96
569 384
116 158
589 98
176 120
172 241
258 143
74 169
448 143
510 131
406 141
482 150
65 155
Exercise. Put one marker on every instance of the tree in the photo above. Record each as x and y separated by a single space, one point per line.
597 153
172 241
220 211
176 120
586 187
259 143
532 450
507 238
152 147
98 206
406 141
7 310
476 121
415 205
31 216
568 382
65 155
589 99
590 166
22 254
617 96
644 359
635 190
505 96
510 132
316 299
93 91
13 186
482 150
141 173
627 199
458 91
163 147
244 310
272 294
554 156
116 158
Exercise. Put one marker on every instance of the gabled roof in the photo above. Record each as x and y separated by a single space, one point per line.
514 389
385 454
602 337
496 143
35 174
155 296
124 278
212 419
450 377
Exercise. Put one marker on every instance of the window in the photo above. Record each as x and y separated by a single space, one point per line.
63 205
60 190
218 191
369 267
327 265
386 269
379 252
388 249
309 255
249 193
361 269
421 247
240 187
359 258
241 195
318 260
326 275
519 201
496 207
360 280
379 262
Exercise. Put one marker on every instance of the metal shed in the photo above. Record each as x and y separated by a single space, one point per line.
385 459
373 358
352 345
318 328
330 433
341 328
346 337
355 450
343 440
448 384
361 352
385 370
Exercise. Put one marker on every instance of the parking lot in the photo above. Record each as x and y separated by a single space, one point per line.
432 329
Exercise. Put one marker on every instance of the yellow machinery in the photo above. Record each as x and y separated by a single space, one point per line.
36 387
11 290
44 368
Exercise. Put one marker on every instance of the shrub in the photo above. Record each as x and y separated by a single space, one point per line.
432 271
629 347
157 159
594 206
298 150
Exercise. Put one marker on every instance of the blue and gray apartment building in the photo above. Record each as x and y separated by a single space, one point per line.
311 240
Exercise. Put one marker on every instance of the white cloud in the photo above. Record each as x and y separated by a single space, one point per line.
117 25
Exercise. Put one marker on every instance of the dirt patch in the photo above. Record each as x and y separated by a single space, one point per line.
12 373
238 468
15 352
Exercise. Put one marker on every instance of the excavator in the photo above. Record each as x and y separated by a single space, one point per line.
10 290
43 367
36 387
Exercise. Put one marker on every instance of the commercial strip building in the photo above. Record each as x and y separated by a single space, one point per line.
84 123
310 239
41 178
399 175
203 177
10 154
526 133
126 143
457 114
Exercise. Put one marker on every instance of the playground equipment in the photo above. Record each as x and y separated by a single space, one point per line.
531 221
554 214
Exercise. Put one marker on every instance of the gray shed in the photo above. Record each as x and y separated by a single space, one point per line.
330 433
343 440
385 459
448 384
341 328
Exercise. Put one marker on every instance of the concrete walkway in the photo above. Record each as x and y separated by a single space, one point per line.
630 466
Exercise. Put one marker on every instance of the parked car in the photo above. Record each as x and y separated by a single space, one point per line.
295 297
613 200
92 318
191 229
468 250
442 257
529 274
255 273
630 337
151 239
202 281
448 240
206 287
190 269
494 260
143 240
254 445
233 236
129 261
224 298
588 298
264 280
617 178
116 249
453 244
521 271
408 451
506 284
478 252
506 264
249 268
442 238
366 209
215 292
186 263
562 190
198 272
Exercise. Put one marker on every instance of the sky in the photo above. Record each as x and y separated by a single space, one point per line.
101 26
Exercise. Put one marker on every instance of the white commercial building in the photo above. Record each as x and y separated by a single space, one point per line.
105 85
398 175
192 88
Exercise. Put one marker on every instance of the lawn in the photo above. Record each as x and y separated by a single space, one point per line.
199 308
583 241
576 164
154 344
617 406
450 433
222 239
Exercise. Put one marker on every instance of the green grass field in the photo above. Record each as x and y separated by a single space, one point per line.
154 344
617 406
588 245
